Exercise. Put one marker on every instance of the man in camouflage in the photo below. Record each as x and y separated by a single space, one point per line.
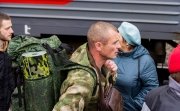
79 91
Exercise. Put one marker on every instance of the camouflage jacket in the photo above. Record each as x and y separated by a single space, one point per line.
79 91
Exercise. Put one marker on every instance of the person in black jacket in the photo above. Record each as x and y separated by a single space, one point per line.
167 97
7 80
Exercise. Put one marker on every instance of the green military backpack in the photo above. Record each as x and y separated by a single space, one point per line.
40 61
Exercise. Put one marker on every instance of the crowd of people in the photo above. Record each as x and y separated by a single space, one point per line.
110 53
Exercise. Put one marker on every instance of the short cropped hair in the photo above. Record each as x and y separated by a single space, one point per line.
99 31
4 16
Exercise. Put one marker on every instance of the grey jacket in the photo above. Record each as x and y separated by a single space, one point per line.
164 98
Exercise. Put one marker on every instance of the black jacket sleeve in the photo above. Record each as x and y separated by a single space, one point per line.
7 81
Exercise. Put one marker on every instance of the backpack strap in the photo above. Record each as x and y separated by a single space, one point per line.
63 47
50 52
69 49
72 65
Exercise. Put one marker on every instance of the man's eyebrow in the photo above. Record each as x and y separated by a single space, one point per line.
115 41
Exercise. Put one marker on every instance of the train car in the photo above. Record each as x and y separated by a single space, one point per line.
158 20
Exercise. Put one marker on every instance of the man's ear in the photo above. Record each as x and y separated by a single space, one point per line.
98 46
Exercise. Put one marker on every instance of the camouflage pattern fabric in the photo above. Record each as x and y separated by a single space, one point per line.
40 94
77 90
23 43
35 65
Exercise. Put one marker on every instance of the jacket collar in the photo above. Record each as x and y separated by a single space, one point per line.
136 52
174 85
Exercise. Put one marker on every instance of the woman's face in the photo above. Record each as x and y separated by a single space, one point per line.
123 44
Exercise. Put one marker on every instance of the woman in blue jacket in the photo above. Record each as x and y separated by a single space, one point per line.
136 69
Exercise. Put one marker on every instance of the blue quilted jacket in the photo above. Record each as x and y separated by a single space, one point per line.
135 81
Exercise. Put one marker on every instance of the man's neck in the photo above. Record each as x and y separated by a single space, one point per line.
97 59
3 45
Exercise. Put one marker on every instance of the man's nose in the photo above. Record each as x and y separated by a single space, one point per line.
11 30
118 45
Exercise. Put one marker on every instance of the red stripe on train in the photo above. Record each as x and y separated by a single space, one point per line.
58 2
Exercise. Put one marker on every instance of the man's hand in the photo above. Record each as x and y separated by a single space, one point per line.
111 66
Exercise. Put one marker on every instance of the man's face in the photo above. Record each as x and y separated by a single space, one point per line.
6 30
110 49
